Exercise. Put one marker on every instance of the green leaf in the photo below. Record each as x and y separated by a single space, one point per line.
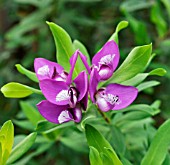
147 84
7 140
117 139
159 146
43 126
0 152
131 5
29 74
106 159
167 5
94 156
22 148
158 19
17 90
125 161
120 26
158 72
150 109
47 127
25 124
32 114
95 139
136 79
69 140
139 29
135 63
142 76
63 44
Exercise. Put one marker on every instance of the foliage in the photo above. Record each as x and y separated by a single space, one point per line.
131 137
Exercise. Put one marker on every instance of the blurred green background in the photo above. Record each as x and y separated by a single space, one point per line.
24 35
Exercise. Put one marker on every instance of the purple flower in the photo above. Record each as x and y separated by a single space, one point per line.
113 96
106 60
65 98
45 69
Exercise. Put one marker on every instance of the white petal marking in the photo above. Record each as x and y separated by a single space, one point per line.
112 99
103 72
102 104
62 95
44 70
107 59
64 116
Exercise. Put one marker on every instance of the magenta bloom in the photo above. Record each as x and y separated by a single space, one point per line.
106 60
113 96
45 69
65 98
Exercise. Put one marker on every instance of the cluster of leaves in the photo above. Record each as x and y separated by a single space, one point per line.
131 132
122 122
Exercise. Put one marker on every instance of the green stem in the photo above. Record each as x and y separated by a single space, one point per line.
104 116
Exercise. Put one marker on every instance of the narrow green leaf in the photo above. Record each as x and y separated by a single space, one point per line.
29 74
150 109
117 140
7 140
120 26
147 84
158 19
94 156
69 140
0 152
32 114
139 29
17 90
47 127
125 161
63 44
131 5
142 76
136 79
25 124
106 159
158 72
167 5
95 139
159 146
135 63
7 133
22 148
43 126
112 155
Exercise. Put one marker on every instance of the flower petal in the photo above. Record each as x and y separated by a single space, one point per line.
84 101
105 72
102 104
81 82
77 114
54 113
45 69
73 60
121 95
55 92
94 79
109 54
84 60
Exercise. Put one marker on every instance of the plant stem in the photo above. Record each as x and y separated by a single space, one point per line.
104 116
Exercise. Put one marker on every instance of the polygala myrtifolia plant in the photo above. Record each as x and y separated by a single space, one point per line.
81 95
